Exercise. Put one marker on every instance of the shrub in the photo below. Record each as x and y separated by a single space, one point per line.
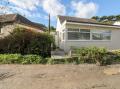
10 58
116 52
116 56
20 59
25 41
92 55
50 61
31 59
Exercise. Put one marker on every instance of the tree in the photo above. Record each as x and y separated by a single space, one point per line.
96 18
111 18
104 18
52 28
107 19
26 41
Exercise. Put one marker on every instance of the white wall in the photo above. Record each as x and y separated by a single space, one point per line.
114 43
59 33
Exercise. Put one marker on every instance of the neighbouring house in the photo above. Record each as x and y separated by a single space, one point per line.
9 21
80 32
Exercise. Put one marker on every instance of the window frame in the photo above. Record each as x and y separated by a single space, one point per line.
79 30
91 32
102 34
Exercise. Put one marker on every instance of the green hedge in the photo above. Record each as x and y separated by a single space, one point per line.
33 59
93 55
36 59
20 59
24 41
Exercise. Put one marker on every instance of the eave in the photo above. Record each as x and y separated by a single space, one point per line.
93 24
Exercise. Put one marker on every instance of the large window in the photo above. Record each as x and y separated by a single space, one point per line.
87 34
78 34
101 35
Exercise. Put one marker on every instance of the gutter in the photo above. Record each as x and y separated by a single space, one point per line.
92 24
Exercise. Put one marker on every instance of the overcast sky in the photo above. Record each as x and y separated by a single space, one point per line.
38 10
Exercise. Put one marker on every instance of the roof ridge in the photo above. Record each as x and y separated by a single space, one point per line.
76 17
18 18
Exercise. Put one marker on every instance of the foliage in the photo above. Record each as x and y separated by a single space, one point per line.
117 52
10 58
53 29
107 19
25 41
116 56
92 55
31 59
20 59
89 57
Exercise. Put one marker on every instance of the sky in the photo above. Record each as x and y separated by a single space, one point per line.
38 10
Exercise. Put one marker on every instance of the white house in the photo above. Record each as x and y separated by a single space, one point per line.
79 32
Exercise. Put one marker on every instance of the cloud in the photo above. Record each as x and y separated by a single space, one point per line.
25 4
84 9
54 7
27 7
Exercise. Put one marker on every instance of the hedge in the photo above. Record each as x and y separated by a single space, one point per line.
20 59
93 55
24 41
33 59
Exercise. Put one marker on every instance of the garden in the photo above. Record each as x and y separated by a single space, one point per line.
24 46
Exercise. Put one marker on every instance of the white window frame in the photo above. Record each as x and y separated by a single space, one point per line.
80 32
103 33
91 38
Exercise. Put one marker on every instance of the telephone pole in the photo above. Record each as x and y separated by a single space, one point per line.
49 24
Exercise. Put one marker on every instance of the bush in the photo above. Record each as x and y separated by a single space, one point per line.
20 59
92 55
31 59
116 56
116 52
25 41
10 58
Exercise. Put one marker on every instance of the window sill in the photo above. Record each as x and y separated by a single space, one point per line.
89 40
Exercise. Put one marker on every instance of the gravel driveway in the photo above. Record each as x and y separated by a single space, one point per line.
82 76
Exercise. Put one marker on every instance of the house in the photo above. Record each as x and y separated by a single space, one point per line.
80 32
9 21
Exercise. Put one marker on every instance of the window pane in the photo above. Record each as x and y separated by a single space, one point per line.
70 29
107 31
78 36
100 36
73 35
84 36
97 36
101 31
84 30
106 36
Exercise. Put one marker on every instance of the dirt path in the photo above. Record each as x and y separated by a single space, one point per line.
58 77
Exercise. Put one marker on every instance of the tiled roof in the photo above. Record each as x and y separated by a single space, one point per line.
81 20
16 18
